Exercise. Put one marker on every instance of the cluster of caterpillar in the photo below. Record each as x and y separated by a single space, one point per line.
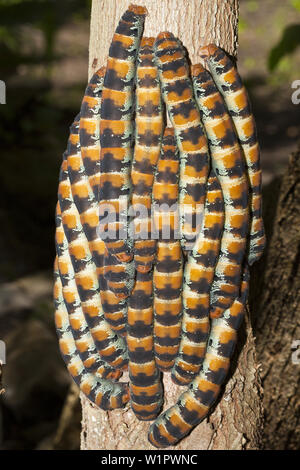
172 299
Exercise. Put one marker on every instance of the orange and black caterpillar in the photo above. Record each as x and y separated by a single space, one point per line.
145 379
149 124
74 254
168 269
184 114
88 269
198 275
194 404
230 85
95 379
229 167
116 139
83 170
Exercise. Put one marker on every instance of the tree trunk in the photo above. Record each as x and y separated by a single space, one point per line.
236 422
277 322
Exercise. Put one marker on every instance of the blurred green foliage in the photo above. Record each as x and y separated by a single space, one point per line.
47 16
33 129
295 4
288 43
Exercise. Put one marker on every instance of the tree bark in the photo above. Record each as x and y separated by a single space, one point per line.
277 319
236 422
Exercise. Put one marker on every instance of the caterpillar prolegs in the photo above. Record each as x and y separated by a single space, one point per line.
171 302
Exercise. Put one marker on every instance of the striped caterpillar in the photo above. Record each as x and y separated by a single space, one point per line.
149 125
171 302
184 114
168 269
116 139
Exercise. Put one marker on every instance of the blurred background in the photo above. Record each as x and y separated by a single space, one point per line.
44 61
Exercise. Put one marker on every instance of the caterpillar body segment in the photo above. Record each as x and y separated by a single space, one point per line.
145 381
228 164
116 132
168 269
198 277
149 124
194 404
89 130
229 83
75 252
114 309
184 114
99 387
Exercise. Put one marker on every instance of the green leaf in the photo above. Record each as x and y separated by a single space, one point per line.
288 43
296 4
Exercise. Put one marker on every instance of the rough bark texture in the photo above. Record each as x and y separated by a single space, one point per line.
195 22
236 422
277 318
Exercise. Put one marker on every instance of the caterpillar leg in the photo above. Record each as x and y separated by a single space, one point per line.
198 277
149 124
145 380
184 114
230 85
229 167
194 404
116 137
168 269
97 387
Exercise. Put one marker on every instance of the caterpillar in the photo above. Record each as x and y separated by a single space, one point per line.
168 269
113 311
195 403
149 123
116 139
84 341
89 129
83 171
99 387
184 114
230 85
111 348
198 275
145 379
228 164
